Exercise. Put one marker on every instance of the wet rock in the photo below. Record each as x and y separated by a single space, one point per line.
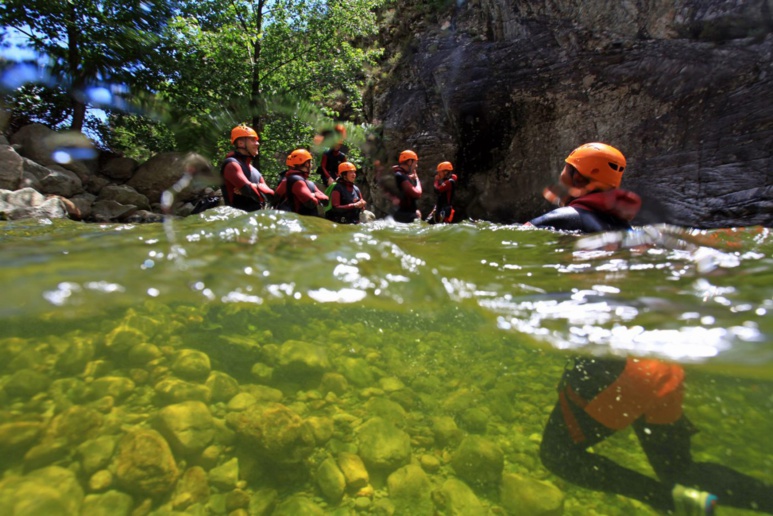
354 471
386 409
276 432
335 383
125 195
263 392
263 502
117 387
478 461
144 352
241 401
236 501
123 338
410 490
106 211
144 464
521 495
192 365
75 425
51 491
382 445
192 488
26 383
11 168
475 420
429 463
357 371
174 390
188 427
75 358
262 373
111 503
222 386
95 454
120 169
391 384
322 428
331 480
46 453
302 362
225 476
16 438
446 432
100 481
298 504
456 498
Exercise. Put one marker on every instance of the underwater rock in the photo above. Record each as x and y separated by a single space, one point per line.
225 476
298 504
75 358
354 470
222 386
188 427
192 488
143 353
261 372
241 401
46 453
521 495
386 409
123 338
95 454
111 503
410 490
302 362
193 365
75 425
26 383
331 480
335 383
263 392
456 498
446 432
174 390
478 461
117 387
475 420
100 481
322 428
391 384
17 437
236 502
263 501
144 464
276 432
429 463
383 446
357 371
51 491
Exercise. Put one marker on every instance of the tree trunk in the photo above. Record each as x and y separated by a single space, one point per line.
255 80
75 69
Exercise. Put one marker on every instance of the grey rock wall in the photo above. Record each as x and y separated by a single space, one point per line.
505 90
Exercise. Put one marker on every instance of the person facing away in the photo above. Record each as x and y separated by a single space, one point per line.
295 192
332 159
407 187
346 199
594 201
243 185
598 397
445 185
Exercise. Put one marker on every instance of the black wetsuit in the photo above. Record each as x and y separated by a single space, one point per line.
568 218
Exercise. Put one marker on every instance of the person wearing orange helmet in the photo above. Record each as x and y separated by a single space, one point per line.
593 200
295 192
407 187
346 199
332 158
445 185
243 185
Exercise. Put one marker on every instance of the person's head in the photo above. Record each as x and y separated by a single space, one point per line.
347 171
445 169
594 167
245 140
408 160
299 159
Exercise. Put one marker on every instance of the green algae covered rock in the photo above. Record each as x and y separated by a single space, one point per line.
478 461
188 427
95 454
521 495
225 476
302 362
75 425
174 390
274 432
354 471
144 464
331 480
222 386
17 437
382 445
51 491
357 371
192 365
25 383
111 503
296 505
411 491
455 498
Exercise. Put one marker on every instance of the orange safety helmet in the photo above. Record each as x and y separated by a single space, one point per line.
346 166
341 129
599 163
242 131
445 165
407 155
298 157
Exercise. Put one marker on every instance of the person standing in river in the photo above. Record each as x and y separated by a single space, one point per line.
445 186
243 185
332 159
593 200
406 190
346 199
295 192
600 396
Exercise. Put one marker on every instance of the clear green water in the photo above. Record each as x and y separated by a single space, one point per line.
472 322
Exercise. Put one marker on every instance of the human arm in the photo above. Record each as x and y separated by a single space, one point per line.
305 196
264 188
409 189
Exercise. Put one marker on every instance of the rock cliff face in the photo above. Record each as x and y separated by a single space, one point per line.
506 89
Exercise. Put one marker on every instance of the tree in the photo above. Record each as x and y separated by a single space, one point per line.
91 42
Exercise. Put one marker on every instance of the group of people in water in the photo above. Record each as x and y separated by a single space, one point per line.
597 396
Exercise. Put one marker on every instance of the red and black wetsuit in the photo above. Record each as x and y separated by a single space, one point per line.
343 199
328 167
409 191
243 186
296 193
444 209
601 396
593 212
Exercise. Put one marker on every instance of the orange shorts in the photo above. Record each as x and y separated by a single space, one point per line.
648 388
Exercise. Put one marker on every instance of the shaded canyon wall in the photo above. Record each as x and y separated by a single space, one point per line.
505 90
